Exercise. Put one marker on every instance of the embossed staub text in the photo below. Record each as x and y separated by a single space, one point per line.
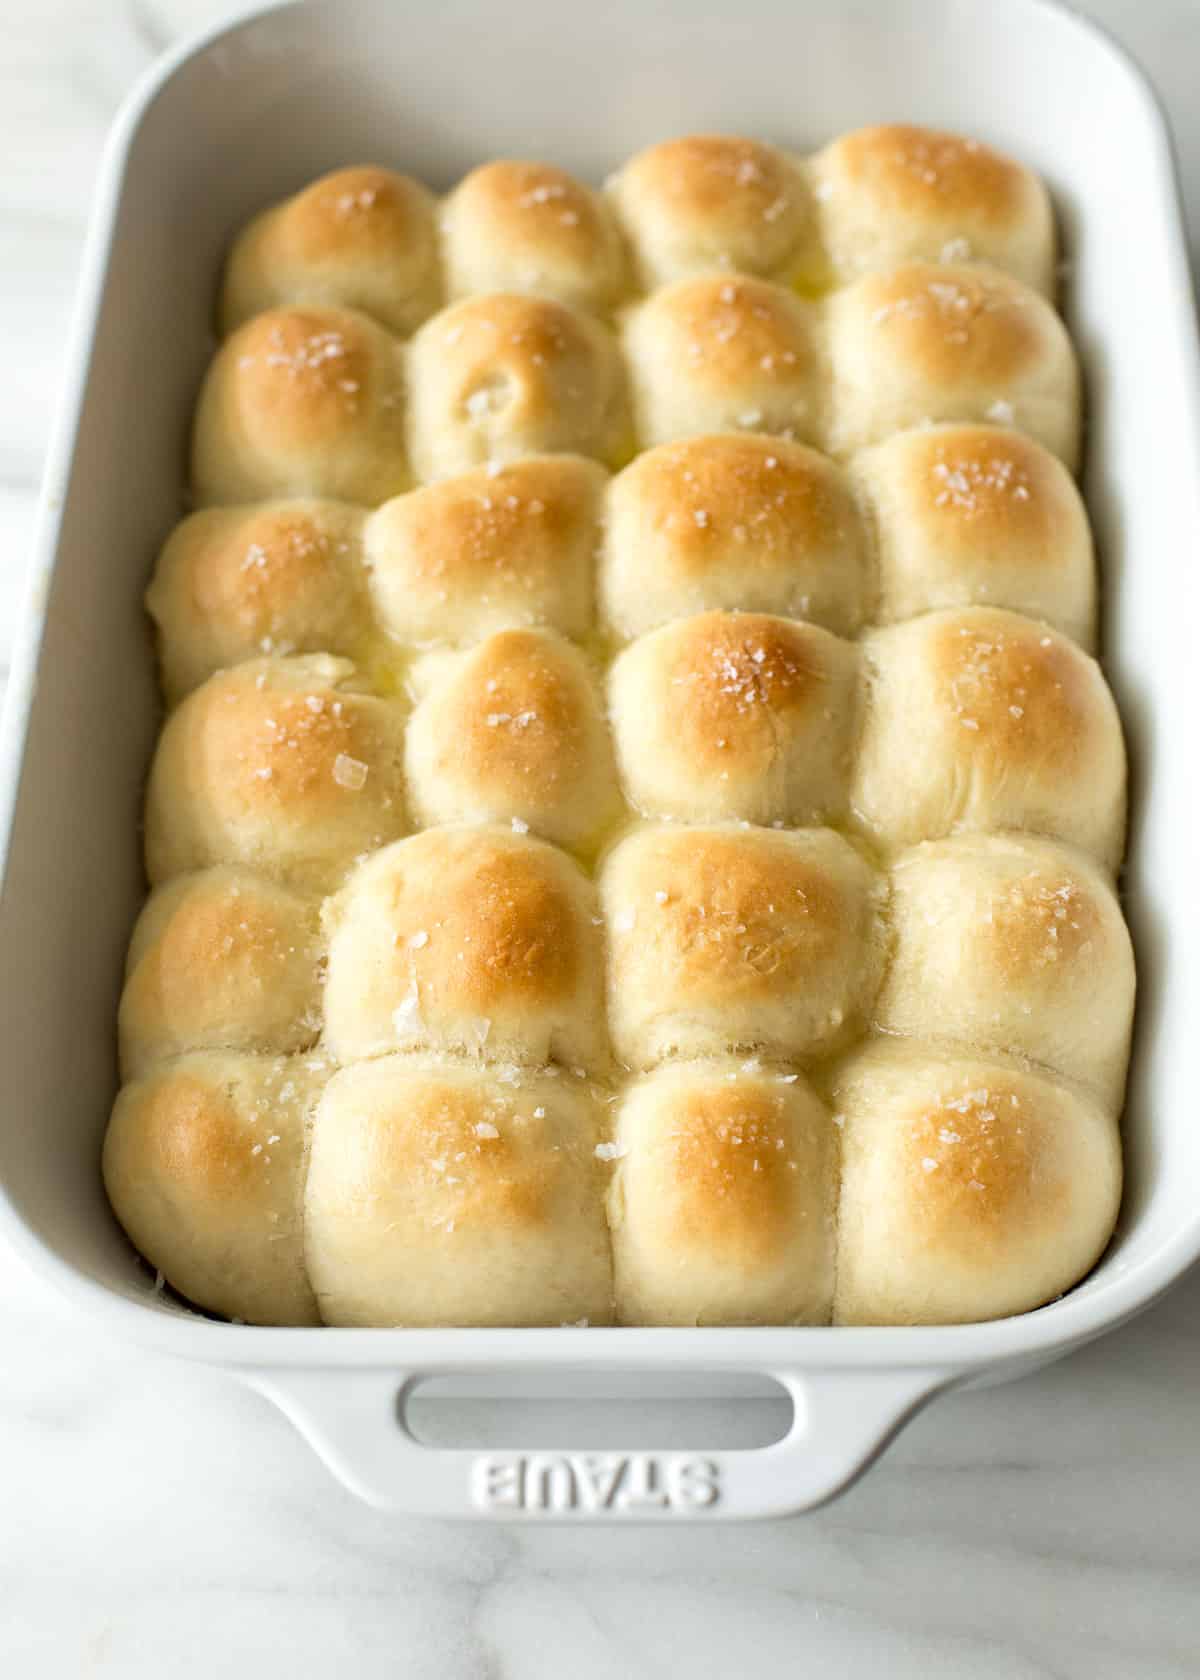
619 1484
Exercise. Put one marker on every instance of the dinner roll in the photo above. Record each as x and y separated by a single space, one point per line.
895 193
982 719
362 238
204 1167
436 1196
733 521
971 515
279 764
489 550
501 376
528 227
721 1204
1012 944
302 402
721 354
278 577
711 201
724 939
513 731
735 715
970 1190
949 342
467 939
222 960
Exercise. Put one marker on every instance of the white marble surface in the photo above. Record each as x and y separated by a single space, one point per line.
156 1520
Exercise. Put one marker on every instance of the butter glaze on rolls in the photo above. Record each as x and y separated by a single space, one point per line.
726 939
979 515
723 353
280 764
302 402
734 521
472 940
970 1189
714 202
513 226
361 238
512 730
633 838
896 193
1015 945
221 960
438 1196
488 550
501 376
277 577
932 341
204 1165
722 1198
735 715
982 719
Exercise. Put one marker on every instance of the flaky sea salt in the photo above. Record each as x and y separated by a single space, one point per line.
407 1013
349 772
610 1151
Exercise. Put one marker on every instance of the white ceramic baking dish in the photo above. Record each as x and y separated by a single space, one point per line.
249 114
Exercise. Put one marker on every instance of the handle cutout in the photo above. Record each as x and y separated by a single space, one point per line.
625 1411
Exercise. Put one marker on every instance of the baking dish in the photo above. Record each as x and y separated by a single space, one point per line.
245 116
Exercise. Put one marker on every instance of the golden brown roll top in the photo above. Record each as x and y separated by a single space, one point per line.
361 238
949 341
735 715
734 521
723 354
722 1198
276 577
710 202
279 764
492 549
302 402
438 1196
512 731
978 515
1014 945
513 226
895 193
982 719
204 1166
725 939
970 1189
497 377
221 960
474 940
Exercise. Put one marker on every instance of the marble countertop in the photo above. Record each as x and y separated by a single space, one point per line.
158 1520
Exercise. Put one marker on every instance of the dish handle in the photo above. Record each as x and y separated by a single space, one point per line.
355 1420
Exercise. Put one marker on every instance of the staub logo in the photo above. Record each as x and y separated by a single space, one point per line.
630 1485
